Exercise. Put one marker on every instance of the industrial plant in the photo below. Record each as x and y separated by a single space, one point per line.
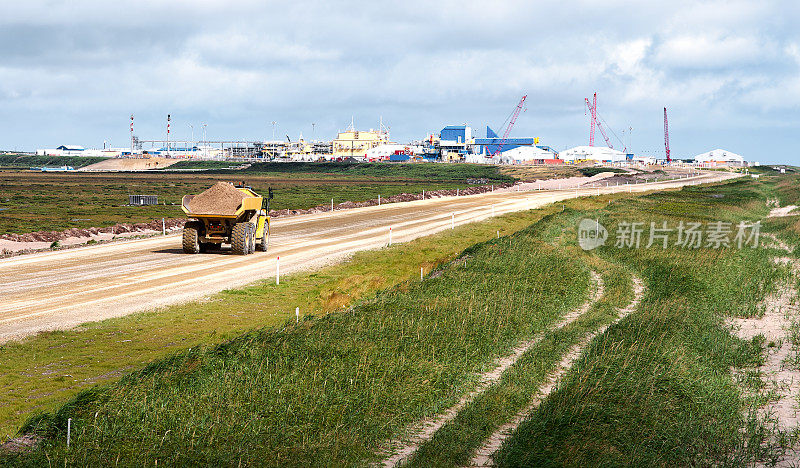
452 144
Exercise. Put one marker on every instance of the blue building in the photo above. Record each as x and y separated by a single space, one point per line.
455 134
455 139
492 142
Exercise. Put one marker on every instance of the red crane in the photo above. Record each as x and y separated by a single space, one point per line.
666 135
511 123
593 109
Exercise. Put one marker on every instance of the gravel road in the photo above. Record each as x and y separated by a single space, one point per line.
62 289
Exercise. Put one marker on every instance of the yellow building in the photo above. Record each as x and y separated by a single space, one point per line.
352 143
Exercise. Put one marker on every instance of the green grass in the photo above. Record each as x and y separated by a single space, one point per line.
328 390
657 389
593 171
42 372
427 171
26 161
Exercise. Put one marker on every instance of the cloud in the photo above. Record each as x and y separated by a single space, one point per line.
75 70
702 51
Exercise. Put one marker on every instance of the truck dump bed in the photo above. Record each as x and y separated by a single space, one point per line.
222 200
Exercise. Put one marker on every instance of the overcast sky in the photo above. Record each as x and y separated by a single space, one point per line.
72 72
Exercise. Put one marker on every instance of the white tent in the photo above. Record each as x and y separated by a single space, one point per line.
719 156
596 153
522 154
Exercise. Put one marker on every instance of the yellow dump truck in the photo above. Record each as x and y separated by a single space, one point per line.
226 214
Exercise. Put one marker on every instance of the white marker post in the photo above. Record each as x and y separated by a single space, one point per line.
420 273
456 192
498 234
297 314
163 227
390 236
379 200
423 194
69 430
331 205
278 270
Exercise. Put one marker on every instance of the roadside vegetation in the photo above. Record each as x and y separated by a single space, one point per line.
593 171
338 170
661 387
17 161
34 201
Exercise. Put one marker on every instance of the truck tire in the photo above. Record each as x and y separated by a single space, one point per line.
191 238
264 239
240 236
251 237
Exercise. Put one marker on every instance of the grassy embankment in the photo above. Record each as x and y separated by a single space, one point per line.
50 368
655 389
329 389
701 288
456 441
787 228
56 201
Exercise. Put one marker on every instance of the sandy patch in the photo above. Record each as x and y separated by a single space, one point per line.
780 376
782 211
560 184
130 164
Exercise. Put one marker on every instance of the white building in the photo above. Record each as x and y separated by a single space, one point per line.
719 156
75 150
593 153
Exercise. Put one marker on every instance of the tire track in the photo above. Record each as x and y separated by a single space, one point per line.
484 456
403 449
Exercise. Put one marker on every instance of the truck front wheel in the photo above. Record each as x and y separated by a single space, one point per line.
264 239
252 239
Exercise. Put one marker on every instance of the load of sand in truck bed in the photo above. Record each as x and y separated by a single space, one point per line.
221 199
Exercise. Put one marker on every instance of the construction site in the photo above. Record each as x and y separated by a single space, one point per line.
454 143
